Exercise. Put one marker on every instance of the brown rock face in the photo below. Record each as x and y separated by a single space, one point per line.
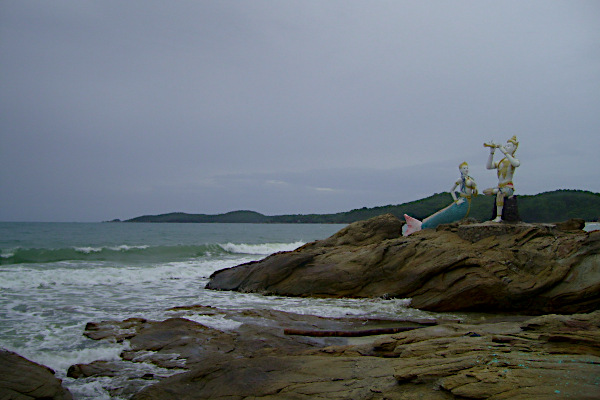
23 379
552 356
536 359
478 356
529 268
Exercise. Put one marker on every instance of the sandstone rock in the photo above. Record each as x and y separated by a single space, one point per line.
96 368
23 379
489 267
499 358
179 343
516 365
363 233
574 224
291 377
117 330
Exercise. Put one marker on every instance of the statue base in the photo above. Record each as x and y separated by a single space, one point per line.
510 211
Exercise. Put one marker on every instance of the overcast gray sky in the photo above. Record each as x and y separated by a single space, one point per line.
115 109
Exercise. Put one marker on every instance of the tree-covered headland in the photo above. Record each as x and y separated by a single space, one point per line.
555 206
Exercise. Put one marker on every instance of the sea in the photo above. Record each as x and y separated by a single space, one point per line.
57 277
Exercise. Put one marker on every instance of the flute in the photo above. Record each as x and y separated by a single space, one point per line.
491 144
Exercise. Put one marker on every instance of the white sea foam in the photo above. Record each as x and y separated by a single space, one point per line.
96 388
90 389
123 247
260 249
61 360
98 273
343 308
327 307
592 226
88 250
214 321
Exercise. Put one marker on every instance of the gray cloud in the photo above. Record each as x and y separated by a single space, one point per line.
114 109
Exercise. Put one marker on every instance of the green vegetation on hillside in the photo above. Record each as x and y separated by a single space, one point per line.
553 206
250 217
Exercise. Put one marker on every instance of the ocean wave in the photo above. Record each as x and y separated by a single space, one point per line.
592 226
60 276
120 248
143 253
109 253
260 249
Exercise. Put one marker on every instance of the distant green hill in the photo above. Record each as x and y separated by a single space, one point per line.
233 217
553 206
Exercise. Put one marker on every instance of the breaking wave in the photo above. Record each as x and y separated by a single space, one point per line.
260 249
127 253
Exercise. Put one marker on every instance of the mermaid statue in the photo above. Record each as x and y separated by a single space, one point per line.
458 210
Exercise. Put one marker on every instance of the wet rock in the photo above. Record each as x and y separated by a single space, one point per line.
475 356
362 233
117 330
291 377
488 267
574 224
522 362
23 379
96 368
179 343
497 358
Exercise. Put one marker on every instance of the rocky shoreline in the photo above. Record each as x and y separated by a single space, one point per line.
487 267
525 323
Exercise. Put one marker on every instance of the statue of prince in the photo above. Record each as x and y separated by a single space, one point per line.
506 169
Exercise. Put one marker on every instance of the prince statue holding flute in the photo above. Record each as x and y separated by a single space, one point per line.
506 169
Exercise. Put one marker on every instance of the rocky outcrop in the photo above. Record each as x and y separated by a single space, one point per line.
179 344
553 356
526 268
480 356
490 267
182 344
25 380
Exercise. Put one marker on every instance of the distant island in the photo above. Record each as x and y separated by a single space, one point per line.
558 205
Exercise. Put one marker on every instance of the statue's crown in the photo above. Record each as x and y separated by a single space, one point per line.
514 140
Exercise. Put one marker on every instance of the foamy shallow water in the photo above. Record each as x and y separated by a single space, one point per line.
47 310
592 226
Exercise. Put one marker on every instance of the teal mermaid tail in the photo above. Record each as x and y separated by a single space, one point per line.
454 212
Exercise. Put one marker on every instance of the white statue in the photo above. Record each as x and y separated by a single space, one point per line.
459 209
506 170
